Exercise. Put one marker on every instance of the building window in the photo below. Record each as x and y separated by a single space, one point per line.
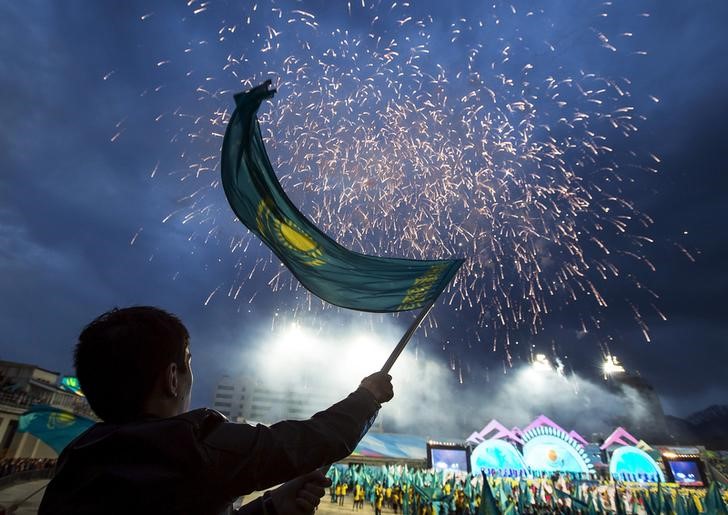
226 404
225 387
224 396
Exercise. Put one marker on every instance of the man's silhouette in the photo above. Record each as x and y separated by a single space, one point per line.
151 455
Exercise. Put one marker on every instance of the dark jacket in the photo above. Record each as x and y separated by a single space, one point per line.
197 462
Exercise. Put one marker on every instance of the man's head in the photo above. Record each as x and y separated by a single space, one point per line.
134 361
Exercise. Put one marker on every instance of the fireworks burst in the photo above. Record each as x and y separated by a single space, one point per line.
425 134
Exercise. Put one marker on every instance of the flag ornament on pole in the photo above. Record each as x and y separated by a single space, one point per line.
333 273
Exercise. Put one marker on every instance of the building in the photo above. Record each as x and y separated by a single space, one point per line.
247 399
23 385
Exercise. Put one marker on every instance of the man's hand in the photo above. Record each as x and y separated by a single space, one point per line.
300 496
380 385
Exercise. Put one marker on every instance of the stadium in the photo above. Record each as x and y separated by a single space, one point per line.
537 466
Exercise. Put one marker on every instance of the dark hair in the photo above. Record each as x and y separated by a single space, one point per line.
120 355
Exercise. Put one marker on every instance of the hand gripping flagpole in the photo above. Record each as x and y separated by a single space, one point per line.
408 335
399 348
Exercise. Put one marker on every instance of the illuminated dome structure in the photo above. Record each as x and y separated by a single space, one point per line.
497 455
551 452
546 448
629 463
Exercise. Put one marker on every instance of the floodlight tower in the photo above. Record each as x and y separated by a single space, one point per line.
611 366
539 370
541 363
649 420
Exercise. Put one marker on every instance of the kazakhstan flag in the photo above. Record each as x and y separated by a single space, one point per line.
54 427
337 275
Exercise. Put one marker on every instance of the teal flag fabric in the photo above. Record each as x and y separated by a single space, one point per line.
714 500
488 505
335 274
54 427
575 502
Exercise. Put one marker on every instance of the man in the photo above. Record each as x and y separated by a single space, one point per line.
378 499
151 455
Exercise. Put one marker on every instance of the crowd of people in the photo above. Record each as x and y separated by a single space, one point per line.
10 466
421 492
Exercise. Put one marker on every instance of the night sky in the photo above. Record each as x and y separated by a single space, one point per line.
76 75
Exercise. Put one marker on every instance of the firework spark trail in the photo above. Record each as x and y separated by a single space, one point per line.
491 155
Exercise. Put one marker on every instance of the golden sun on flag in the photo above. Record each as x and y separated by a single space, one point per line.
290 235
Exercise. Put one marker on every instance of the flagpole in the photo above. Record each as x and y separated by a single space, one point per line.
398 349
407 336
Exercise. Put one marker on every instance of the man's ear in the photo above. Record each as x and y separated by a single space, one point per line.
171 383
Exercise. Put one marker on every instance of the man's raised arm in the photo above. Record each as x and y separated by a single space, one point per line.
247 458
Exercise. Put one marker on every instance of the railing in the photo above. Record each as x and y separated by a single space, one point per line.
16 399
25 400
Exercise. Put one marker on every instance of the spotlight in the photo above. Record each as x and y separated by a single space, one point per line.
611 366
541 363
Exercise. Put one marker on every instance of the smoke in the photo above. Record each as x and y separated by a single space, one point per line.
429 397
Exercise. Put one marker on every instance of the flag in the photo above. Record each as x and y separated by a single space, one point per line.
681 507
649 504
418 479
635 500
337 275
522 496
590 504
335 475
575 502
667 507
440 502
619 502
54 427
714 501
452 484
659 498
502 495
468 487
487 501
692 507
